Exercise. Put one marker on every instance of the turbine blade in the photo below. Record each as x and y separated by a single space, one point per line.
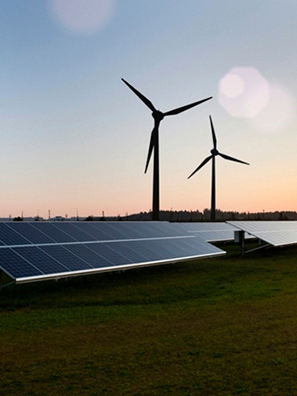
141 97
184 108
232 159
201 165
150 150
213 134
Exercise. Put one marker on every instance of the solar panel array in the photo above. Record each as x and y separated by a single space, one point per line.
276 233
31 251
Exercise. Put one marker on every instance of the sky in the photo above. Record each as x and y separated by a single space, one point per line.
74 137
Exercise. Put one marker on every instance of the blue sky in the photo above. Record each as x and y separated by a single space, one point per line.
74 137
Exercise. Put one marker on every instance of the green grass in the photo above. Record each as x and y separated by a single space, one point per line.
222 326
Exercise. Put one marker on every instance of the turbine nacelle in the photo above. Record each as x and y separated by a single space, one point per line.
214 152
158 115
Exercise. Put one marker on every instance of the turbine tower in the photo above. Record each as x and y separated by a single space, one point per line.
214 152
154 142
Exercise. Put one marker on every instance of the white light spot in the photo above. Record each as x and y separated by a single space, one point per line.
256 99
279 112
232 85
82 16
243 92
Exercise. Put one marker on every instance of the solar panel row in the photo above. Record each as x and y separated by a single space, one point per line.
276 233
45 250
23 233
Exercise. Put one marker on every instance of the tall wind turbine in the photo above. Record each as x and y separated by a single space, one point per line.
154 141
214 153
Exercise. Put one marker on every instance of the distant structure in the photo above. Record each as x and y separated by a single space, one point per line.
214 153
154 142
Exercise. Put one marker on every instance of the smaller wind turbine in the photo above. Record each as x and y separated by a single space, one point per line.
214 153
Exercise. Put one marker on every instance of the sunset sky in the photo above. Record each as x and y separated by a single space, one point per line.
74 138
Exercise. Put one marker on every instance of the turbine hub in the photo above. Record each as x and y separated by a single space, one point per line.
158 115
214 152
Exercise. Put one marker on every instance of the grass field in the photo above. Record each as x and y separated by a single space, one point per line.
220 326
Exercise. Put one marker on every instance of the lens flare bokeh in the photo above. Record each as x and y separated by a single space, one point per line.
82 16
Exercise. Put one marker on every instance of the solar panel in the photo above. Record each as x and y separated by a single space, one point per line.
32 251
276 233
209 232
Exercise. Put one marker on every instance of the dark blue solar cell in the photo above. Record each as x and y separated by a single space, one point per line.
129 230
16 266
10 237
93 259
109 230
147 249
149 230
190 247
157 230
196 246
127 249
90 229
65 257
173 229
173 247
28 231
53 232
162 246
72 231
145 230
39 259
110 252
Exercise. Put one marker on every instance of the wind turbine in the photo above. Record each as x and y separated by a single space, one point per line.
214 153
154 141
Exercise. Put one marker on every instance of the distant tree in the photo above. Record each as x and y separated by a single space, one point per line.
206 214
19 218
89 218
